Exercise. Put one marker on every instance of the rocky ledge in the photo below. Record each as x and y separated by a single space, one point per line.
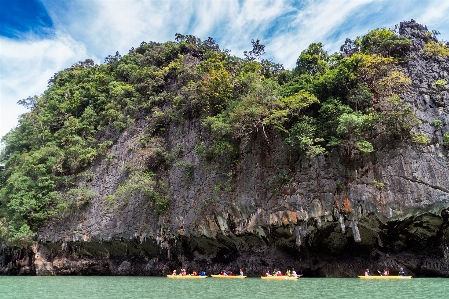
334 218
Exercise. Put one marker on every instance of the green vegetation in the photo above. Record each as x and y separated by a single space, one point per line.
384 41
436 49
437 123
350 103
440 84
139 183
420 138
188 169
446 139
378 185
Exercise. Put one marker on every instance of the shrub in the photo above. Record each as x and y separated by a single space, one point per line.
384 41
436 49
378 185
446 139
140 183
420 138
437 123
364 146
440 84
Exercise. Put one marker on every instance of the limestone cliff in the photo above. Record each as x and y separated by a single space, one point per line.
332 216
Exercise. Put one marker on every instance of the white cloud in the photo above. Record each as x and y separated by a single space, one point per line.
26 68
311 24
435 11
435 15
250 21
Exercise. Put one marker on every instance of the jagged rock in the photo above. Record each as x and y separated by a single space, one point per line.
391 210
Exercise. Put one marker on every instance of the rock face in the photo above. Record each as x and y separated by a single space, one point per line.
329 216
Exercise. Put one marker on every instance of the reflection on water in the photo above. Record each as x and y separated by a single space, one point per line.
74 287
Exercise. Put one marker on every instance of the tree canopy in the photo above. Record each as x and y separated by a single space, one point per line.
348 100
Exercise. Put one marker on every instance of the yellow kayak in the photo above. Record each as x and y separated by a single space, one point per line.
228 276
388 277
185 277
279 277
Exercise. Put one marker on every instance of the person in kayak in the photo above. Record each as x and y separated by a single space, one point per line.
386 272
241 272
367 273
294 273
402 272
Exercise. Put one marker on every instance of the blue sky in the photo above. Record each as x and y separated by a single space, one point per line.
41 37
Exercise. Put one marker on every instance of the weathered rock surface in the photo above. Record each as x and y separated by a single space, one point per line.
331 216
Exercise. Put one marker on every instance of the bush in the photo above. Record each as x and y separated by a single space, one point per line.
436 49
378 185
446 139
140 183
365 146
384 41
420 138
440 84
437 123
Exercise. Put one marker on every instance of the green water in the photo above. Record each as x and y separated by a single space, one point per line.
74 287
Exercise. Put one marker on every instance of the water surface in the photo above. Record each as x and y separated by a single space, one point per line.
75 287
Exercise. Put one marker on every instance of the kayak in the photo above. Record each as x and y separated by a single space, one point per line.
185 277
388 277
228 276
279 277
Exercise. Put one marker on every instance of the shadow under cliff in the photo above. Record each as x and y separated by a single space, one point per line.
419 244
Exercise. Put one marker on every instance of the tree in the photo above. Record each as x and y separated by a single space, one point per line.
385 42
256 53
28 103
351 126
303 135
349 47
312 61
360 96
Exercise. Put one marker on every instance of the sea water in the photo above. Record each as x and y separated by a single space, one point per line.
74 287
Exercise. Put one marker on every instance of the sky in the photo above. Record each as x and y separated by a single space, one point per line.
38 38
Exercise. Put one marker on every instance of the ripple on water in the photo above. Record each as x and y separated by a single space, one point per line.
123 287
